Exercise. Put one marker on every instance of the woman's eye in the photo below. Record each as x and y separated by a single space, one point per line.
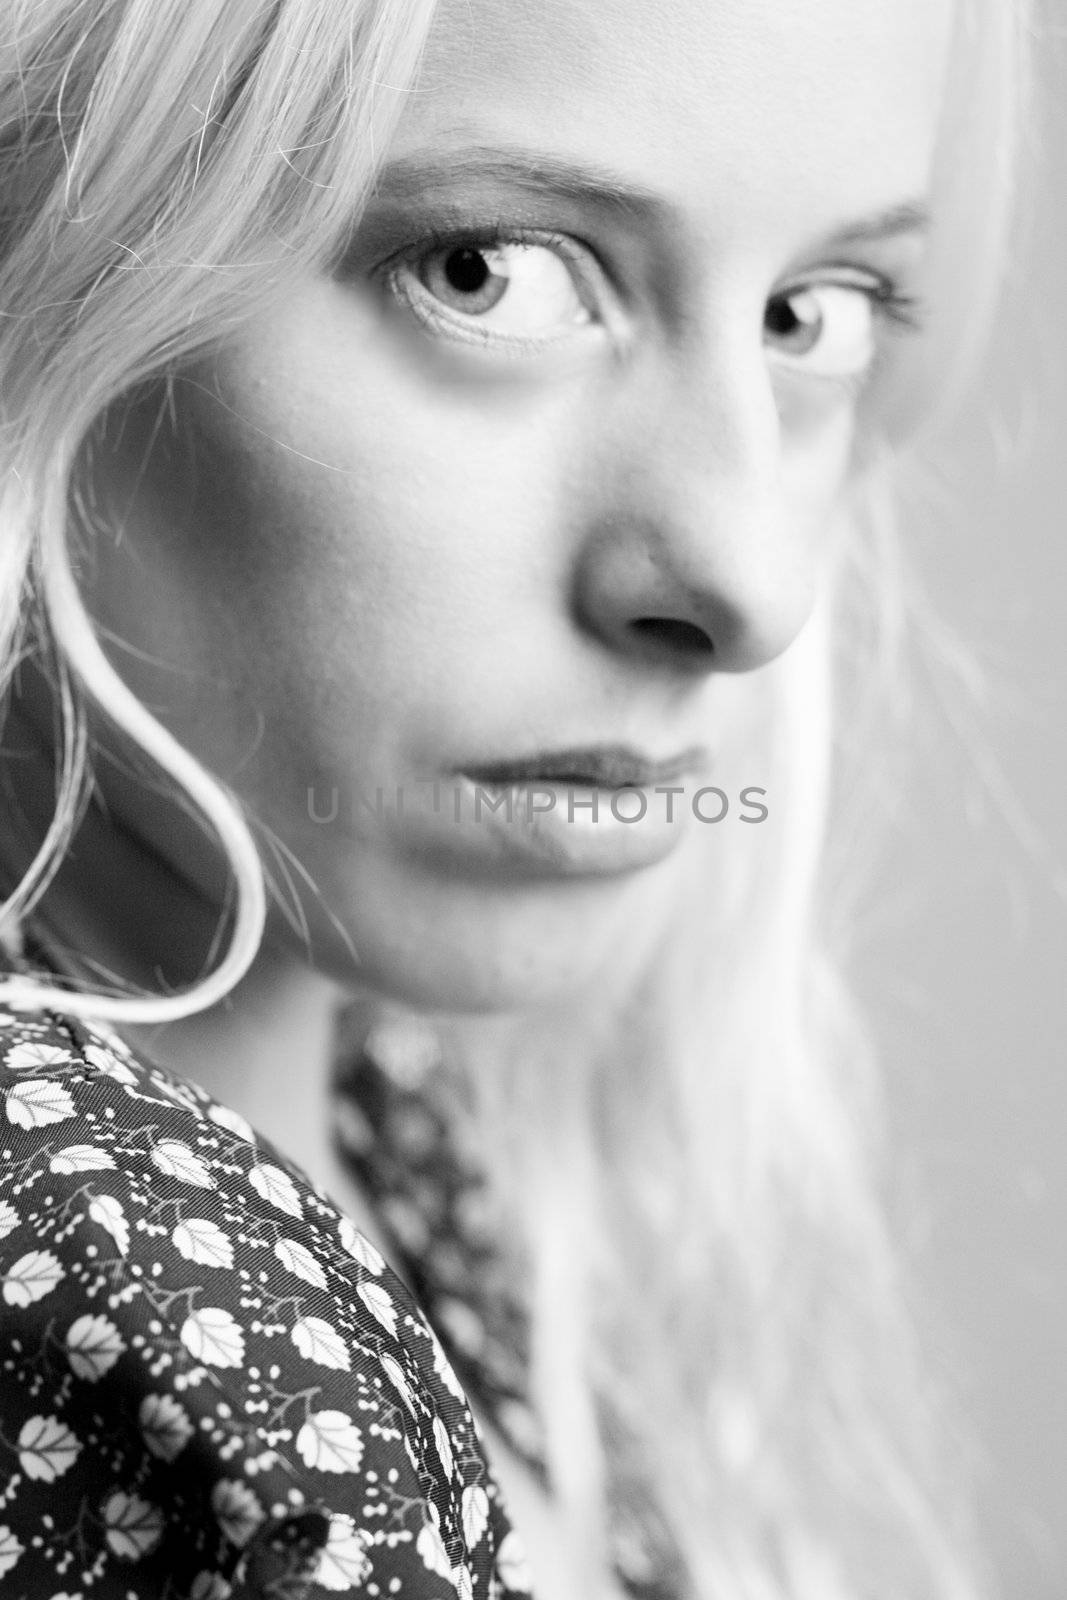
510 292
824 330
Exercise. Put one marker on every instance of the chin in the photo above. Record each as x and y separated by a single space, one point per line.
460 950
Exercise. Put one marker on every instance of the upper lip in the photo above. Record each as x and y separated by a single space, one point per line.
607 766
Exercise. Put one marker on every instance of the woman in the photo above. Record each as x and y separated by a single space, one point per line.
420 423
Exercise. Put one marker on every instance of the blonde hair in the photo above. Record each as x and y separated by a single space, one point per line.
131 242
720 1316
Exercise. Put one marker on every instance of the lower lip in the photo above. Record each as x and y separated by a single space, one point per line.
555 824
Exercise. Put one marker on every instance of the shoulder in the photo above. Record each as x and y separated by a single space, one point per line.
212 1384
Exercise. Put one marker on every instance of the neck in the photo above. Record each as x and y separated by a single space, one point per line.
118 913
265 1051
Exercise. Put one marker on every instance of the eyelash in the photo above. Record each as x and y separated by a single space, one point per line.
575 252
889 299
484 237
886 294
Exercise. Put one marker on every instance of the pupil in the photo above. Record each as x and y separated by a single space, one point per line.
782 320
467 271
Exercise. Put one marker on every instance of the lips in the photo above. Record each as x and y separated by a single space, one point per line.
599 766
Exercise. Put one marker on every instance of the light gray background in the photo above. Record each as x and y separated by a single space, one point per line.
968 972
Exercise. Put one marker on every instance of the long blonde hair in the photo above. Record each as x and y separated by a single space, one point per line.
721 1319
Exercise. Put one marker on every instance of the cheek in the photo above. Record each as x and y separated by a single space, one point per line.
373 544
820 458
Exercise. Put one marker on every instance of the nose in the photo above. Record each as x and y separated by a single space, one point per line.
694 553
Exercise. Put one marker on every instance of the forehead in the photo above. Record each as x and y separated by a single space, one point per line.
805 111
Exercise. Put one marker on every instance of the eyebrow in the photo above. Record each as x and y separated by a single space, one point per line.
910 216
411 178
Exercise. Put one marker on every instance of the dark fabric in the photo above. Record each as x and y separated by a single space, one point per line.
401 1121
401 1125
212 1387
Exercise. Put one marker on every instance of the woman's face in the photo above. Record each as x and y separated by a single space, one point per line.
550 461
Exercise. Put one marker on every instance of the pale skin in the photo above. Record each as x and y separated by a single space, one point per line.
369 547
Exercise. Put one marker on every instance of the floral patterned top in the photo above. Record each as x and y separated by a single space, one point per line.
213 1386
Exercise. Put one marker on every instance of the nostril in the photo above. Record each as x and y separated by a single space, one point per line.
684 638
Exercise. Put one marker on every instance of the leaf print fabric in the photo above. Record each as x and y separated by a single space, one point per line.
212 1387
402 1124
31 1277
46 1449
94 1344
